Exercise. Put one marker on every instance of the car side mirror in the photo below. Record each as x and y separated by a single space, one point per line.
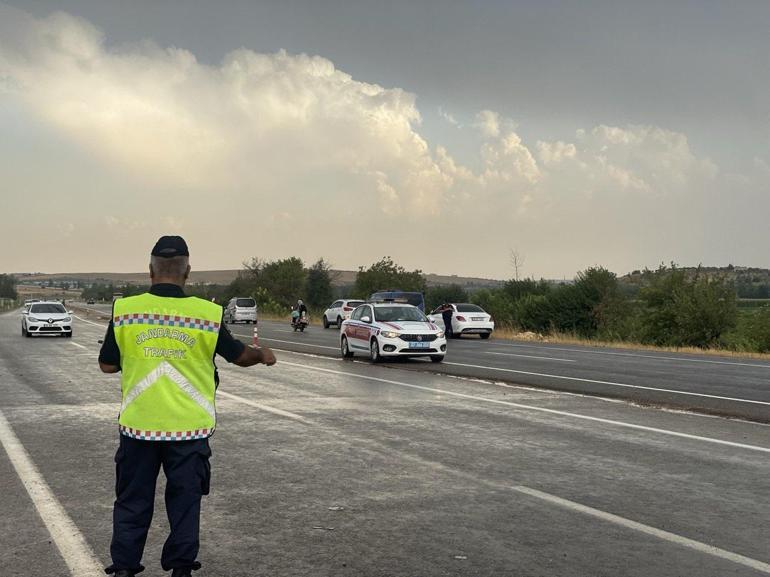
70 312
366 319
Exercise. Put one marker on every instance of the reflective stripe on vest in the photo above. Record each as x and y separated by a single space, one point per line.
167 359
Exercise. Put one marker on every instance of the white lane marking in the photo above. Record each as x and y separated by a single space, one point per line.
312 355
610 383
540 409
289 342
262 407
655 357
90 322
532 357
69 540
74 344
646 529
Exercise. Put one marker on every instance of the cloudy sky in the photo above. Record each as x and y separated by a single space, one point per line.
444 134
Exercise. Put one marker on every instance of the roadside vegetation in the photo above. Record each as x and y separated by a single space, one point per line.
8 296
669 307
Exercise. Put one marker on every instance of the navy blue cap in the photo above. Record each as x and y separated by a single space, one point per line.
170 246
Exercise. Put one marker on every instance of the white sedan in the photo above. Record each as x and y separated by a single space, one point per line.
382 330
46 318
464 319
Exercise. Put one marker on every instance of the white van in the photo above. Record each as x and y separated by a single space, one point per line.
241 310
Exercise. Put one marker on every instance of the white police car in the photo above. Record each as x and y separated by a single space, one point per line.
389 329
46 318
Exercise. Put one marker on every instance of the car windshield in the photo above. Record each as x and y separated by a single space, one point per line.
47 309
354 303
466 308
250 303
392 314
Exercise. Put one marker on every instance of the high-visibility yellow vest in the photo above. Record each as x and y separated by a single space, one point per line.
167 350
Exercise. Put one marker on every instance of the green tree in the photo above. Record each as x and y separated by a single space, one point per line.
497 303
758 330
284 280
533 313
275 284
686 311
319 284
516 289
8 287
438 295
385 274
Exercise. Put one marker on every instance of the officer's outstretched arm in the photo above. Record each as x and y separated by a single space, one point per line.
255 355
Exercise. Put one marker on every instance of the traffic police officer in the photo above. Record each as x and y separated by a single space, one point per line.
164 343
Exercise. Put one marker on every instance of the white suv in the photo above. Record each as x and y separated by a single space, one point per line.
382 330
339 311
46 318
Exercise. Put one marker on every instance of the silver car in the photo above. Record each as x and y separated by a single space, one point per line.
46 318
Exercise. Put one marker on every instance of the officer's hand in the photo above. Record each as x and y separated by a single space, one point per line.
268 357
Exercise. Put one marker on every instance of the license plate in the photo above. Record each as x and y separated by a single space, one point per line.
49 325
477 318
419 345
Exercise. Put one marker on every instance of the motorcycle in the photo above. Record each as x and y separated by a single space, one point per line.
299 323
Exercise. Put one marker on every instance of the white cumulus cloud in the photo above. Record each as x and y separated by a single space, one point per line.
269 141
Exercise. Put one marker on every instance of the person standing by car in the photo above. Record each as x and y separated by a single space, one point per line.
164 343
446 313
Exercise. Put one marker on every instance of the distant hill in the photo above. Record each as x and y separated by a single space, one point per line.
750 282
222 277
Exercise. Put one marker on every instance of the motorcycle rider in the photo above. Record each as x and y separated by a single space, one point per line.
301 310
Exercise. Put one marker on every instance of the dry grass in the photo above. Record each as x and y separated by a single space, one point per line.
506 334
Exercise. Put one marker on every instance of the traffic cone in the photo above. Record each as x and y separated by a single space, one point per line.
255 338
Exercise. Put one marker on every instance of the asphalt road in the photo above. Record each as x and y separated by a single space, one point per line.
329 468
722 385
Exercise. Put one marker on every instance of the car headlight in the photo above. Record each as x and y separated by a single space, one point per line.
389 334
440 335
33 319
67 319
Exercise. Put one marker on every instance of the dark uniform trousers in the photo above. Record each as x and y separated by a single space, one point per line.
188 474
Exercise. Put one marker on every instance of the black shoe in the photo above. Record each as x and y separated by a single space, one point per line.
185 571
123 572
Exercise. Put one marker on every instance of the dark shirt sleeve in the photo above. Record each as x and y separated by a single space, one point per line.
228 346
110 353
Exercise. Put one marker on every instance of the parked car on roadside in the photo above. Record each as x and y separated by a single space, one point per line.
465 319
241 310
381 330
46 318
339 311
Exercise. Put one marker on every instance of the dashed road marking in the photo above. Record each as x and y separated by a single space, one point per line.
609 383
641 356
263 407
90 322
73 547
74 344
646 529
540 409
288 342
532 357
